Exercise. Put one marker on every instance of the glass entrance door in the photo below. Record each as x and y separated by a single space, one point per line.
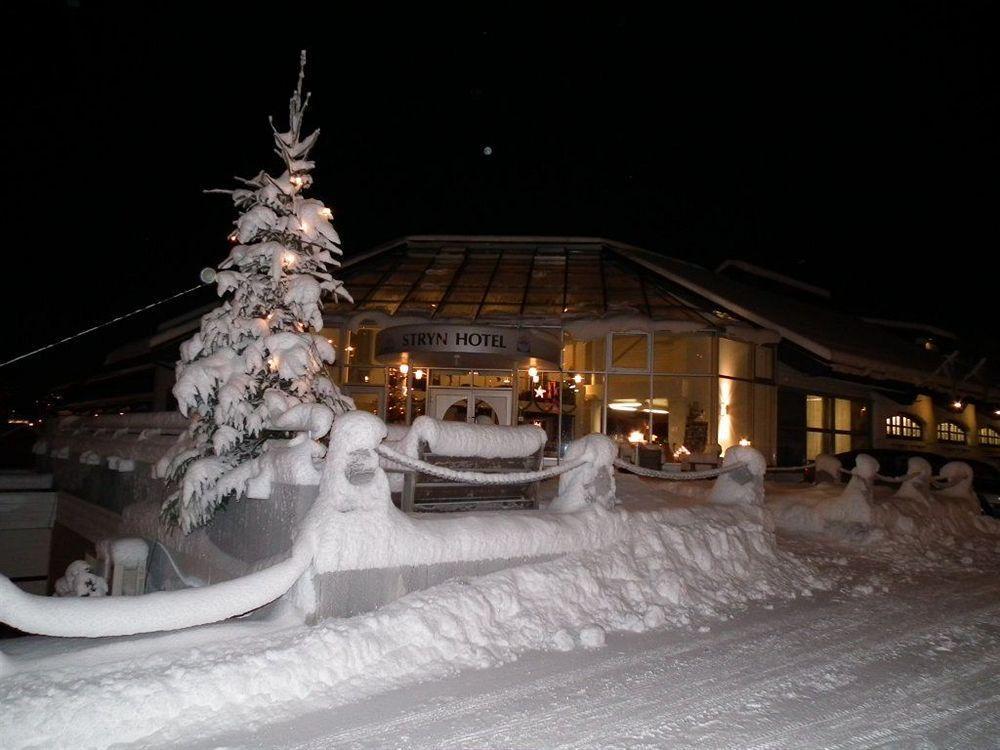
489 407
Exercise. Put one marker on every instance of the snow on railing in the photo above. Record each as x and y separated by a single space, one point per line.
120 439
474 477
677 475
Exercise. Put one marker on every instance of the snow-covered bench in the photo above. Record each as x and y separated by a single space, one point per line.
469 447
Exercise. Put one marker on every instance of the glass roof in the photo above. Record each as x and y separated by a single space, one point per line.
505 282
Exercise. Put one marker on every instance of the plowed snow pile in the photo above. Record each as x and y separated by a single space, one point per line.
674 565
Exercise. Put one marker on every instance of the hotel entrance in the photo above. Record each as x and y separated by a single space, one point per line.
485 407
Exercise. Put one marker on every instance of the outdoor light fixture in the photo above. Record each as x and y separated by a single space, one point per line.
957 405
578 378
418 374
724 410
533 373
404 368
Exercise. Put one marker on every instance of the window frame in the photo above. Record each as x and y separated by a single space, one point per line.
943 433
916 423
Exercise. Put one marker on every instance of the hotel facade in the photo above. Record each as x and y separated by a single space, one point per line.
581 335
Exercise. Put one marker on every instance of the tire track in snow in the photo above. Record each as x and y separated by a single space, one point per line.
714 691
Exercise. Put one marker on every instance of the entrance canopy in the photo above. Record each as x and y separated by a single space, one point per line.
467 346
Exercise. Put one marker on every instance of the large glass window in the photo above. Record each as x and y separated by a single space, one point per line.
679 413
538 404
735 411
951 432
989 437
583 355
835 425
628 351
903 426
682 352
582 406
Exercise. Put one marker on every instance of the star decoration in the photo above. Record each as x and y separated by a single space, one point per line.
540 392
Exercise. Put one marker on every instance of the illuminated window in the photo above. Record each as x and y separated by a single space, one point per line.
951 432
902 426
989 436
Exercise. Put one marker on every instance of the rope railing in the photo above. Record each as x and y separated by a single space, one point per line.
677 475
779 469
475 477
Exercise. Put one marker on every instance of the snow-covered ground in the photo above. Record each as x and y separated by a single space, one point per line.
747 639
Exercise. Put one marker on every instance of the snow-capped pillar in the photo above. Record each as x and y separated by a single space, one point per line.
743 485
828 469
591 483
352 478
918 486
958 477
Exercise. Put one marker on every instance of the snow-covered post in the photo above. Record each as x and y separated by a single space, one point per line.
958 477
591 483
854 504
743 485
918 486
352 478
259 354
828 469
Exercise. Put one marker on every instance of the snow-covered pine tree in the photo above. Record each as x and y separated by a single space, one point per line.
256 355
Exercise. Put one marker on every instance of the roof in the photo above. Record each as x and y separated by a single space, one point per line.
494 279
488 278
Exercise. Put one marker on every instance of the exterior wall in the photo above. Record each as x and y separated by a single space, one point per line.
718 390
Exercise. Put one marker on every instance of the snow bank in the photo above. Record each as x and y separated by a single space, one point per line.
914 516
742 486
670 568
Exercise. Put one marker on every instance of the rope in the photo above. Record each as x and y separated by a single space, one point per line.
791 468
99 326
474 477
677 475
898 480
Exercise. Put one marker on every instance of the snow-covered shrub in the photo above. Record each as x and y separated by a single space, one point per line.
80 580
257 355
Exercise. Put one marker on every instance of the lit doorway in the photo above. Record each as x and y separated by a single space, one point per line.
489 407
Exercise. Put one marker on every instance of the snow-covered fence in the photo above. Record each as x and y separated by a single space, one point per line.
119 441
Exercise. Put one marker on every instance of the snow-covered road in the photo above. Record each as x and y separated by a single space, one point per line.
918 667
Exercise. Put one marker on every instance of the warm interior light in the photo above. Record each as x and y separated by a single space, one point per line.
578 378
624 405
957 404
533 372
535 378
655 411
418 374
744 442
681 452
636 437
404 368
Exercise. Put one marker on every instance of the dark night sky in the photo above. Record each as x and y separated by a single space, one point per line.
854 147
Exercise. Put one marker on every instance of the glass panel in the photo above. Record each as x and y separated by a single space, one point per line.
538 404
361 346
366 375
627 423
841 415
628 351
735 411
487 379
686 423
451 378
682 352
485 414
457 412
734 358
582 406
814 412
397 390
814 445
418 394
583 355
764 362
841 443
366 402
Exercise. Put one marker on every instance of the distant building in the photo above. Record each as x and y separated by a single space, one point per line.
583 335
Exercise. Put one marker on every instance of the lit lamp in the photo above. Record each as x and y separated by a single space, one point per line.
744 443
418 374
636 437
533 373
404 368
